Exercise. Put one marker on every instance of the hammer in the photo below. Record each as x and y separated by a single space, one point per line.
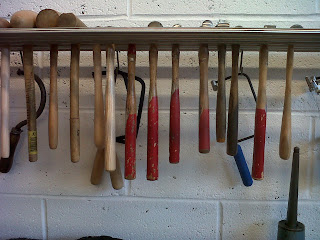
232 132
5 86
221 95
70 20
174 134
153 115
27 19
131 115
48 18
110 122
285 134
204 124
261 117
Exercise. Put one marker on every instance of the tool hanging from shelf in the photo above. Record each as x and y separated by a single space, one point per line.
154 39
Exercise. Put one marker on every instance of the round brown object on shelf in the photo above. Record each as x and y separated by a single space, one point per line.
23 19
69 20
47 18
4 23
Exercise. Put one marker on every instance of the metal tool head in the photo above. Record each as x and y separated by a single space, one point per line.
207 23
296 26
155 24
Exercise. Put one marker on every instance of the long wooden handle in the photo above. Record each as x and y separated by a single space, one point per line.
5 109
221 95
98 99
174 134
261 117
116 176
74 103
285 135
131 115
153 117
110 122
97 169
53 101
232 133
204 125
31 102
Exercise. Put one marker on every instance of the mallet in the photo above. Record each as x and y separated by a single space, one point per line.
5 104
285 135
27 19
131 115
70 20
48 18
261 117
232 132
174 134
153 115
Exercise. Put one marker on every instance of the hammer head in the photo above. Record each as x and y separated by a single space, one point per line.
155 24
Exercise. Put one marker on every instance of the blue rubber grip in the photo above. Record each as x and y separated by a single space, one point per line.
243 168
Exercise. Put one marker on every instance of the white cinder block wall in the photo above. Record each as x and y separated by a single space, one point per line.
203 196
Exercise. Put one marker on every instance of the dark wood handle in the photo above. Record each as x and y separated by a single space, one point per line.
204 124
232 133
221 95
53 100
74 103
98 166
174 134
31 102
131 114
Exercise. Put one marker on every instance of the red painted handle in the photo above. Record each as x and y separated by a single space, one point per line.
130 147
174 144
204 132
152 151
259 143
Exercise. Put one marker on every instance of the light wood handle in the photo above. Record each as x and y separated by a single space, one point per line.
98 99
174 134
110 123
53 100
153 116
221 95
5 103
98 166
204 123
131 116
48 18
31 102
260 117
285 135
74 103
232 133
116 176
